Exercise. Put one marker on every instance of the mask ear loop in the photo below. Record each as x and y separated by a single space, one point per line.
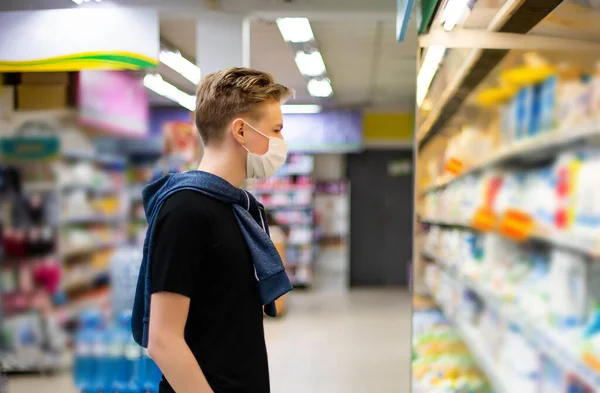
249 125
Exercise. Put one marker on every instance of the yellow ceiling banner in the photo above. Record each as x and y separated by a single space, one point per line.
397 127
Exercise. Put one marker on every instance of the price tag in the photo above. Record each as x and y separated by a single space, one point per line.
516 225
454 166
592 361
485 220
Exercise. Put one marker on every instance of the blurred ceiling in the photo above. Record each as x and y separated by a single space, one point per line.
367 67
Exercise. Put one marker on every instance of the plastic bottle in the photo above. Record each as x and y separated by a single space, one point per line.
569 300
99 355
150 374
85 362
593 326
111 359
130 375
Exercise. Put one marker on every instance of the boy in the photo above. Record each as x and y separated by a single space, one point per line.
209 266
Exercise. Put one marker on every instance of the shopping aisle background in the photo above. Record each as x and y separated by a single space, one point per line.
349 129
333 340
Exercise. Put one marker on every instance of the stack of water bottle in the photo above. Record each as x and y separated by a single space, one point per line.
107 359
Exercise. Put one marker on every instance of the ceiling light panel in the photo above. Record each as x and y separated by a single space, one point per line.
295 30
298 33
158 85
320 88
300 109
181 65
310 64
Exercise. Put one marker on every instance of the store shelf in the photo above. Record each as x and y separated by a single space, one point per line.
557 345
93 188
588 245
87 249
475 344
447 223
545 146
288 190
87 281
513 17
39 186
42 186
15 364
289 207
21 116
72 311
93 219
105 159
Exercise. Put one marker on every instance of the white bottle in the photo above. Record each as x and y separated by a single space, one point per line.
568 285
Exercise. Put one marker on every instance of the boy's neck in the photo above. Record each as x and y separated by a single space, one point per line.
226 166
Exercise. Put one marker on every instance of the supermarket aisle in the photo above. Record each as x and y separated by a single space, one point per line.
331 341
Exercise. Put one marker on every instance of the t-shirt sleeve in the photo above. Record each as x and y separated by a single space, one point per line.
179 246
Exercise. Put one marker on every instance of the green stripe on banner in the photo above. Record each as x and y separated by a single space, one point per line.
124 58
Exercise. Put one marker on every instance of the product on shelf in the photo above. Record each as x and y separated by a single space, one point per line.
108 359
537 303
557 198
441 361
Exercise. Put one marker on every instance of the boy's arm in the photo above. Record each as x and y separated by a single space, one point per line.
167 346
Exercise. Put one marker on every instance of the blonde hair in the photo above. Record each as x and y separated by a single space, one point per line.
234 91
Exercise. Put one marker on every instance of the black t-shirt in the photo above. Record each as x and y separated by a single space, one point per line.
199 252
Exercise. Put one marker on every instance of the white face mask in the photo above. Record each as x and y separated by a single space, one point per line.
262 167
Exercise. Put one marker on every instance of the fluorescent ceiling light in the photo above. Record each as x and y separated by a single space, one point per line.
431 62
180 64
157 84
296 30
454 12
320 88
80 2
296 109
310 64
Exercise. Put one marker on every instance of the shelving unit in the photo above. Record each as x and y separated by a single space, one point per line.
82 202
29 264
507 130
289 198
95 227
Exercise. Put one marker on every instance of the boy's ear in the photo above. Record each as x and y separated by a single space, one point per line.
237 130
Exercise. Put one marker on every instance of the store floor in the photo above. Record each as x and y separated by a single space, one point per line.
331 341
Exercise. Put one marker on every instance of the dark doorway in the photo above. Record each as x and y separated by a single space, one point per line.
381 217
